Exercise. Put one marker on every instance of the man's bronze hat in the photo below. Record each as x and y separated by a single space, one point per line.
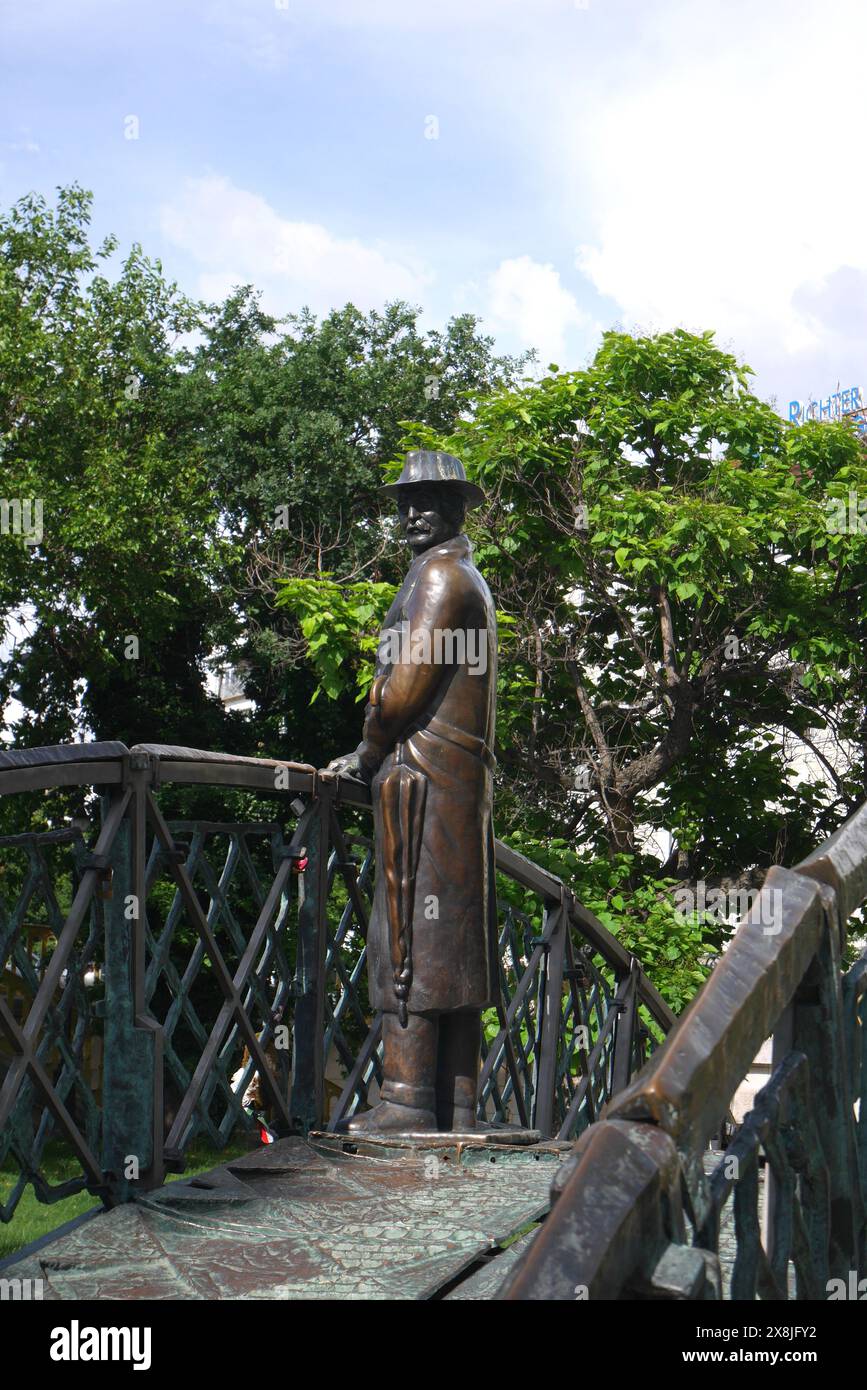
424 466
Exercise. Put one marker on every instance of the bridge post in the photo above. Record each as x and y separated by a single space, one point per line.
624 1032
543 1118
308 1061
817 1031
132 1142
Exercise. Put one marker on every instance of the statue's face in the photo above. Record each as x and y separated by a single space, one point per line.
426 518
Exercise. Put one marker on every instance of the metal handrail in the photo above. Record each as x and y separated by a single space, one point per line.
780 975
117 870
39 769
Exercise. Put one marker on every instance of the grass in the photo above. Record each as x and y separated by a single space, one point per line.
34 1219
519 1235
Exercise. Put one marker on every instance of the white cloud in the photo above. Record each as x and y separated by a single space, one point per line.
24 143
235 237
721 172
701 156
444 14
389 15
527 301
268 34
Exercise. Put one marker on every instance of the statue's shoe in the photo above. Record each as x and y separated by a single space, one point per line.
389 1118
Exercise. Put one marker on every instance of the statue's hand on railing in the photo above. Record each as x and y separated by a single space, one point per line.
349 765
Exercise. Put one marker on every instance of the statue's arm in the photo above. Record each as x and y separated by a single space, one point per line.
397 698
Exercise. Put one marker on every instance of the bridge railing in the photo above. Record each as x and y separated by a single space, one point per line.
639 1203
159 956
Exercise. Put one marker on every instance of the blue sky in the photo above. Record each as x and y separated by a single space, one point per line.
640 163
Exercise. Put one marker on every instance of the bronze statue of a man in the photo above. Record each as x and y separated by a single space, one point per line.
427 747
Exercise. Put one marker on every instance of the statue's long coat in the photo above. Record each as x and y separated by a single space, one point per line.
438 718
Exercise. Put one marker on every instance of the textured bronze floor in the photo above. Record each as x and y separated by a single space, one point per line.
292 1221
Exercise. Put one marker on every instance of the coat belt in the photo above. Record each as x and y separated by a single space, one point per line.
441 728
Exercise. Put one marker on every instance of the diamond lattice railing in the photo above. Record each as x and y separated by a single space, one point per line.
232 868
42 873
195 974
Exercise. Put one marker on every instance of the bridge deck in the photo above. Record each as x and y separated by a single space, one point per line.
304 1220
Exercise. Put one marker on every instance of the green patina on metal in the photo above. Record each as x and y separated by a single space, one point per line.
207 936
129 1073
309 1024
293 1222
640 1215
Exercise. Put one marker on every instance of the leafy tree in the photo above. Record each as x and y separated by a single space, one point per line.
663 541
686 611
185 456
117 597
679 574
298 421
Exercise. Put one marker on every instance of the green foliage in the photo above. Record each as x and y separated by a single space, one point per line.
341 625
130 544
677 950
188 456
701 517
295 420
673 602
699 615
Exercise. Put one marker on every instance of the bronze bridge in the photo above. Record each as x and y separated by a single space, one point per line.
195 953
